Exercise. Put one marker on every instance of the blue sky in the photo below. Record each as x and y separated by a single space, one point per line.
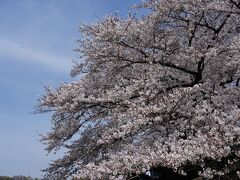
37 39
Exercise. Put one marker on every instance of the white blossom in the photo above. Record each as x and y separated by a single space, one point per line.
160 90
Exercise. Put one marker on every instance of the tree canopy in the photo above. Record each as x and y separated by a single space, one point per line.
161 90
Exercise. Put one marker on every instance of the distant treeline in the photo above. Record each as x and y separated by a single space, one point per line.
30 178
17 178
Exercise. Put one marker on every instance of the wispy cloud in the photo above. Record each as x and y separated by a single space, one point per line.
18 52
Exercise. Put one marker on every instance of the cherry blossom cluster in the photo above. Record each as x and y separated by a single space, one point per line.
158 90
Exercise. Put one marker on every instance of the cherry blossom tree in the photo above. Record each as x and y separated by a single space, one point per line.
161 90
